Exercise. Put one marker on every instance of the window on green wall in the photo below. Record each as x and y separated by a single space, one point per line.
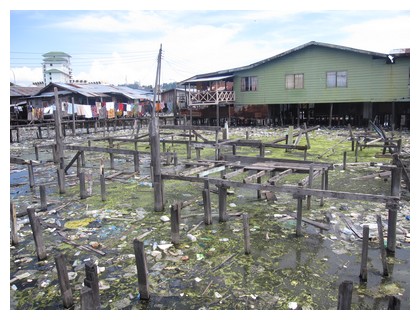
294 81
249 83
336 79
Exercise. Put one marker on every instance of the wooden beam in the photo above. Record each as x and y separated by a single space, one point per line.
254 176
233 173
210 171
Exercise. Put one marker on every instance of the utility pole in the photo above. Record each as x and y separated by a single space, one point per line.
155 145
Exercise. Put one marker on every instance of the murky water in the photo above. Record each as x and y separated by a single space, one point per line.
212 272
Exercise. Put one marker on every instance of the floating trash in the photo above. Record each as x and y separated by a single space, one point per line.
165 219
191 237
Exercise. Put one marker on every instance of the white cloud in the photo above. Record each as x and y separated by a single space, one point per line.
25 76
377 35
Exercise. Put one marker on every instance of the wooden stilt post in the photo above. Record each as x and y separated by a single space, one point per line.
61 176
86 299
78 166
136 162
13 224
63 281
83 193
310 181
393 209
207 207
156 164
259 191
37 233
73 117
382 246
247 240
345 292
323 185
222 203
175 159
365 247
43 196
91 281
356 151
141 263
103 187
175 223
31 174
344 160
36 152
299 215
394 303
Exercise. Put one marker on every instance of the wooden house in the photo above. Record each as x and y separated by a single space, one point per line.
316 83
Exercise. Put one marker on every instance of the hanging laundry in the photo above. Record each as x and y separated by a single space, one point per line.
111 113
87 111
102 113
109 105
80 110
71 109
94 111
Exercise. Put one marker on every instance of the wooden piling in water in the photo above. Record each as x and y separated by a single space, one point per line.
310 181
222 203
136 162
37 234
13 224
82 184
365 247
344 160
141 263
394 303
207 206
31 174
382 246
61 176
92 282
299 215
156 164
175 223
345 292
86 299
393 210
247 240
103 187
63 281
43 196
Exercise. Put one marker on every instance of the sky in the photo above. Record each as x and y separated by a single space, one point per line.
120 46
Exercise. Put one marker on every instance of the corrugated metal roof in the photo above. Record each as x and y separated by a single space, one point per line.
51 94
208 79
98 90
17 91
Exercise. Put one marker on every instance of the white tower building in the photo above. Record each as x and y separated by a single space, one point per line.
56 67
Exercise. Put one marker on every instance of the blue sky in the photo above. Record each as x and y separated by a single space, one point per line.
121 46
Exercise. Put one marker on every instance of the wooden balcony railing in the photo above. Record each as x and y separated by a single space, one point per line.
202 98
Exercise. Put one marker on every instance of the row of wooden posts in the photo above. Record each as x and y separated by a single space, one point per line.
89 295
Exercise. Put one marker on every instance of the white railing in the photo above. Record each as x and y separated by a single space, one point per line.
211 97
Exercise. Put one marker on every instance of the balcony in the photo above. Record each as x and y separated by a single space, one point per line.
206 98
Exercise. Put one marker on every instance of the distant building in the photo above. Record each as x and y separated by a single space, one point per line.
56 67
